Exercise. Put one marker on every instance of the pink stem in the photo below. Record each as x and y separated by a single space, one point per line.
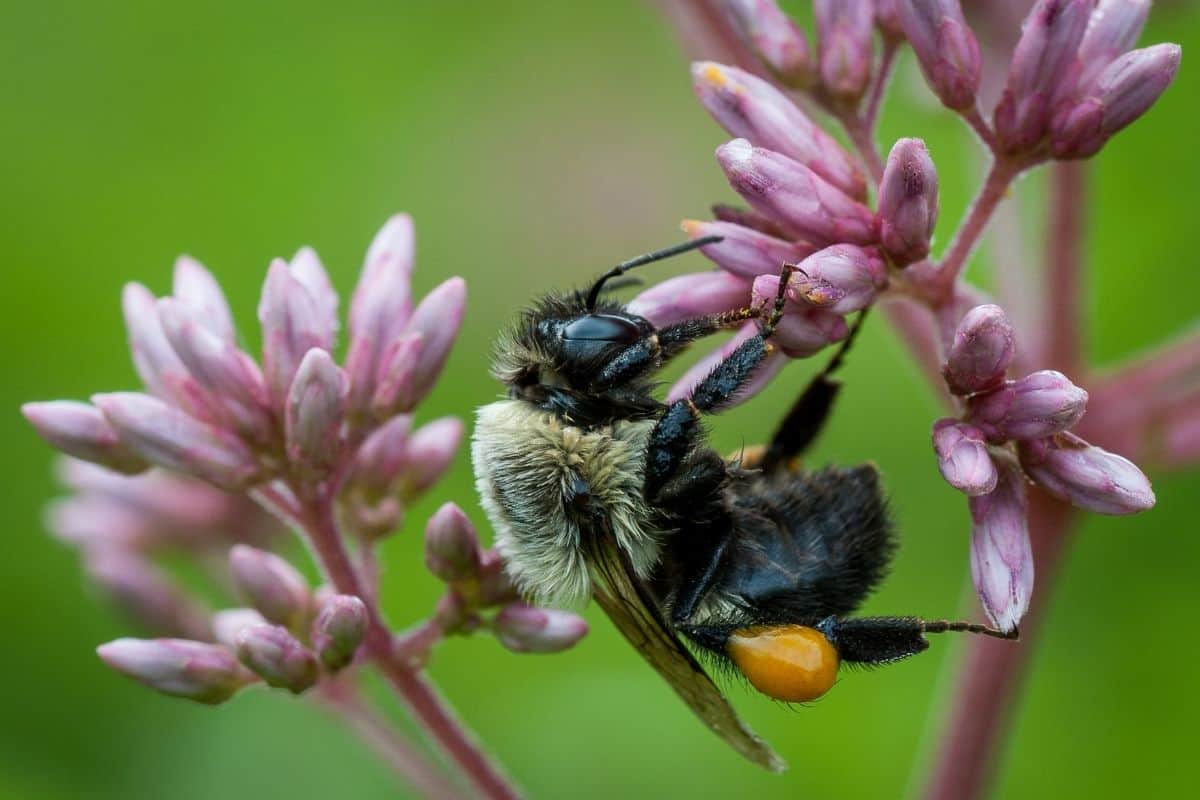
860 134
879 88
1151 372
992 672
975 119
1062 323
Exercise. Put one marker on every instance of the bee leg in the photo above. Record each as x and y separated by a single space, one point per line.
881 640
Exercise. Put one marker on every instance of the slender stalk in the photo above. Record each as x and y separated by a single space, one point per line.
974 118
1062 324
1172 362
863 139
879 88
992 671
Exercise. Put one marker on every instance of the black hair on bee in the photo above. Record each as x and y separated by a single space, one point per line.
598 490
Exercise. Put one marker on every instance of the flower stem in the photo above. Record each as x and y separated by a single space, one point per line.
1062 324
879 88
859 131
992 670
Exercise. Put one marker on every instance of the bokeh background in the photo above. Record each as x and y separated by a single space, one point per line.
535 143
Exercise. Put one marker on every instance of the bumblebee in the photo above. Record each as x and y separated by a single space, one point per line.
598 490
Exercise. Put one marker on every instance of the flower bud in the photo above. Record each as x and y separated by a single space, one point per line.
206 673
394 393
963 457
452 550
751 108
80 430
687 296
807 332
804 204
160 369
307 269
227 624
145 595
767 370
338 630
745 252
981 352
1001 557
270 584
381 458
774 38
431 450
170 438
840 279
945 47
195 287
1042 62
908 202
316 407
494 586
437 318
277 657
1114 28
298 312
1040 404
524 629
1086 476
739 215
845 31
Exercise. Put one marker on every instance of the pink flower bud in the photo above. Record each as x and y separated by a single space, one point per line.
963 457
908 202
195 287
227 624
381 306
437 319
700 370
80 430
160 369
981 352
774 38
170 438
739 215
316 407
840 279
270 584
1042 62
233 385
1114 28
1122 92
687 296
945 47
394 393
495 587
145 595
524 629
381 458
1001 558
1086 476
750 108
804 204
298 313
1040 404
206 673
277 657
338 630
745 252
431 450
805 333
845 31
452 550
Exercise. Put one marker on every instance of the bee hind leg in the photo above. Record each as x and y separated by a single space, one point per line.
882 640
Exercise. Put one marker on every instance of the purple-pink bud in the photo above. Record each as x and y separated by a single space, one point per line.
745 252
316 407
1001 557
908 202
1123 92
840 279
145 595
381 457
963 457
775 38
206 673
525 629
195 287
298 313
981 351
1086 476
431 450
804 204
395 393
494 586
767 370
1040 404
945 47
170 438
807 332
437 319
160 369
1042 63
1114 28
338 630
751 108
452 550
277 657
845 31
80 430
227 624
687 296
739 215
270 584
381 306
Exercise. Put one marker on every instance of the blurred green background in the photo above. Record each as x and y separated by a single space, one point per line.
534 143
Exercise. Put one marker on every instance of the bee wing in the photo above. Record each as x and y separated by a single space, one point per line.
637 616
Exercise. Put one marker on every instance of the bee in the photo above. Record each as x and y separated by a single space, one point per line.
598 490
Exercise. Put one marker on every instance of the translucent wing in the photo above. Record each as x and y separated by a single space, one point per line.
637 616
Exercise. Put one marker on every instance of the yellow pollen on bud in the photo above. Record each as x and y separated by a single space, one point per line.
713 74
691 227
787 662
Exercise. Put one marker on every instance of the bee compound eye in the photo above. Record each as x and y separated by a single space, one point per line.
602 328
787 662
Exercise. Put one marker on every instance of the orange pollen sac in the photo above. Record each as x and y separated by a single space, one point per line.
788 662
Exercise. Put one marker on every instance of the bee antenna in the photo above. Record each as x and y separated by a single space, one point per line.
593 294
952 626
